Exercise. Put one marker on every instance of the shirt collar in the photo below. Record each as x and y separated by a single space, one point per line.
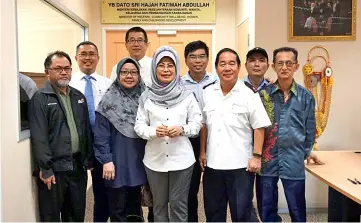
263 83
236 87
293 88
93 76
188 78
58 92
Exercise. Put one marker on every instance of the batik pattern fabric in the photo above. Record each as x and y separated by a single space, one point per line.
290 138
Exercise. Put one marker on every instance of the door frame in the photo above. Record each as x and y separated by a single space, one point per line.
211 28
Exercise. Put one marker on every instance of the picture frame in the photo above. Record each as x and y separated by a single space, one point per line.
322 20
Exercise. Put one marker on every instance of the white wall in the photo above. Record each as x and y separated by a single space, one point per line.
16 183
343 129
37 34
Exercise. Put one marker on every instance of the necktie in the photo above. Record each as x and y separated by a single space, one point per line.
90 99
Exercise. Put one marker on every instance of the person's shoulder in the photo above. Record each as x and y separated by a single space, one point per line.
75 91
76 77
212 77
184 77
210 85
303 91
104 79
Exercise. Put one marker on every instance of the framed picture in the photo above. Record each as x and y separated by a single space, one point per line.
321 20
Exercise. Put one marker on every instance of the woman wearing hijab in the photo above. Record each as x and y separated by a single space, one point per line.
117 146
167 115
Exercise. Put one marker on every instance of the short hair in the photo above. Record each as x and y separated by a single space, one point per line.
224 50
285 49
86 43
195 45
136 29
57 53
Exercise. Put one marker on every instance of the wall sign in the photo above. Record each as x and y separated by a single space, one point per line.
158 12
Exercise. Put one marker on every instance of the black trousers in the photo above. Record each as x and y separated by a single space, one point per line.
125 204
223 186
195 181
65 201
101 203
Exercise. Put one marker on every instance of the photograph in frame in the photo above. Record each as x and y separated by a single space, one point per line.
321 20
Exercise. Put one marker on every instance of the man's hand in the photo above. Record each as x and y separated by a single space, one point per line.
254 165
109 171
175 131
162 131
314 158
202 161
48 181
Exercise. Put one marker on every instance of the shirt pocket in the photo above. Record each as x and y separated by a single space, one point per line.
238 117
209 114
297 118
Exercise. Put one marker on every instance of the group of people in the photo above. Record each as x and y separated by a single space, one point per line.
149 129
319 16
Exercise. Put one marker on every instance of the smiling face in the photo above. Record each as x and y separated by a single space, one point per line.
228 68
166 70
129 75
87 58
197 61
136 45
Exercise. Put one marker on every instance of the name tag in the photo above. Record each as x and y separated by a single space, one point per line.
53 103
81 101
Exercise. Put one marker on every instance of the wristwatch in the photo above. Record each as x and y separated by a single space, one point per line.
182 133
257 155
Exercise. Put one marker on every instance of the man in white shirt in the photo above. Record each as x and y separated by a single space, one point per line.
233 116
93 86
136 42
196 55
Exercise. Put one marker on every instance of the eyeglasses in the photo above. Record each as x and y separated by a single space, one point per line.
163 66
61 69
84 55
131 72
289 64
195 57
139 41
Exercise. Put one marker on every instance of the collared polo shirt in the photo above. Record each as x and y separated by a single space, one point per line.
230 122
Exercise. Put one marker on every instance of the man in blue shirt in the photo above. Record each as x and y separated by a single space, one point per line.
288 141
257 64
196 55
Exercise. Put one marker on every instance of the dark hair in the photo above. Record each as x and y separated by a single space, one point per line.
136 29
195 45
58 53
224 50
285 49
86 43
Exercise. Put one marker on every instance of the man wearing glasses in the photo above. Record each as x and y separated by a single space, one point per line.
196 55
136 42
288 141
93 86
61 143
